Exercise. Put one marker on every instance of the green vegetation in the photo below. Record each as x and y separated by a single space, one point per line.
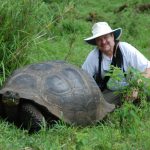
40 30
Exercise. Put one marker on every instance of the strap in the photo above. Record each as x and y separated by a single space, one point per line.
117 60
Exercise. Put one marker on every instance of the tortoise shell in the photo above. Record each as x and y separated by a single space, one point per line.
62 89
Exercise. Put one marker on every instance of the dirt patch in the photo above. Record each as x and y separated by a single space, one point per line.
143 7
121 8
93 17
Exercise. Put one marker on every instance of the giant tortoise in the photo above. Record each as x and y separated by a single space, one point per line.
52 90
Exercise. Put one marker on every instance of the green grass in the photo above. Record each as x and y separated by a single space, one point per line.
113 134
40 30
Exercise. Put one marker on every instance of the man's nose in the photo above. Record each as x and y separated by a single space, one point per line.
102 40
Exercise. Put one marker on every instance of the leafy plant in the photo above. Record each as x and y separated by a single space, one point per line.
129 84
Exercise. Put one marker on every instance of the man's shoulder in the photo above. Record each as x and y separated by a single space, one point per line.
124 44
127 48
94 52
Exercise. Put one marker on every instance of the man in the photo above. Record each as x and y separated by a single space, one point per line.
109 51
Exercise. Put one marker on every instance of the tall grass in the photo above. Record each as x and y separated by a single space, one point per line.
21 24
39 30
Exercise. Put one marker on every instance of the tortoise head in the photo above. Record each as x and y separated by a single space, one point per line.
11 98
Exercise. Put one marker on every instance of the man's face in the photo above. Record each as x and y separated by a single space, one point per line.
106 43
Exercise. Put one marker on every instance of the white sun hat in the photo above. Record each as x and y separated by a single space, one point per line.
102 28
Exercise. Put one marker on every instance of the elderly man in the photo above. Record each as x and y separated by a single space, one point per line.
110 51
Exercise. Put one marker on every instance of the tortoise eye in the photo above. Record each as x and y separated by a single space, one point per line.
7 93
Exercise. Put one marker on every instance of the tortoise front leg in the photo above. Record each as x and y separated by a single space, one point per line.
30 117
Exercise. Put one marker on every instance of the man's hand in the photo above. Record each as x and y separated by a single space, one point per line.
133 95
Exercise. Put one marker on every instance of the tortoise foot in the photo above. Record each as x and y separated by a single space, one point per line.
30 118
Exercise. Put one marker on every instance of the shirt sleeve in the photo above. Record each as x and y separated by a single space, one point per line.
91 63
134 58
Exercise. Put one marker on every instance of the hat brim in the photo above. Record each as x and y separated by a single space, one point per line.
91 40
